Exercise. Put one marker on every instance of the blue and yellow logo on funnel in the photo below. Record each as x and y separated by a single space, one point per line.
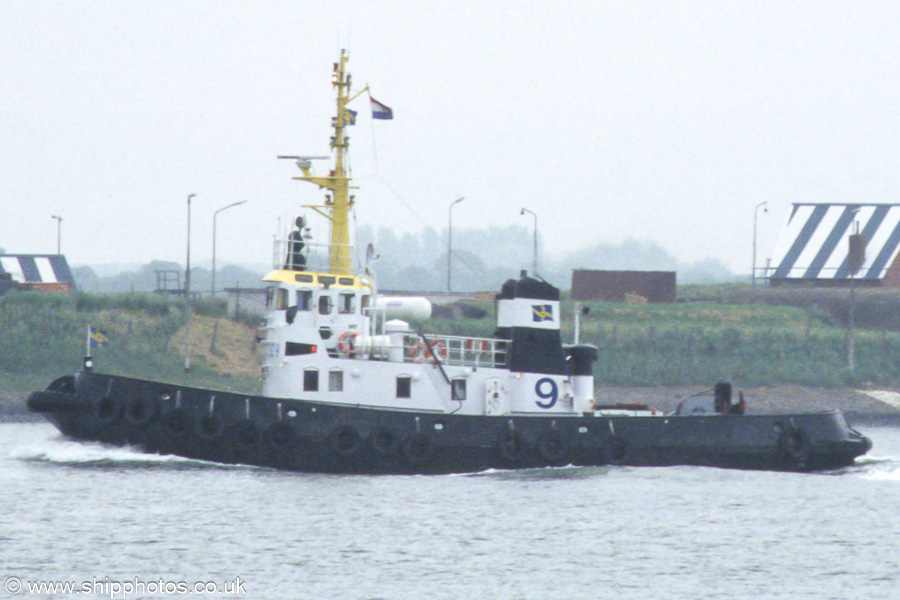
541 312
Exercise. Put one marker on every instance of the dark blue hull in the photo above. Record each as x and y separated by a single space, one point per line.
308 436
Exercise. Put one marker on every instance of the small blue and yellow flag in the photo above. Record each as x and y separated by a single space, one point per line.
98 337
541 312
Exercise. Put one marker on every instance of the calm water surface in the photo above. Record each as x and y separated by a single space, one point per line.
85 513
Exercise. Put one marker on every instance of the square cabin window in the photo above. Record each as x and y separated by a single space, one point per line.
404 386
347 304
311 380
325 304
281 299
304 300
458 389
336 381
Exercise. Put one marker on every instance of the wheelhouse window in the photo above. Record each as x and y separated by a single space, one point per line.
311 380
347 304
276 298
304 300
281 299
325 304
458 389
364 303
404 386
335 380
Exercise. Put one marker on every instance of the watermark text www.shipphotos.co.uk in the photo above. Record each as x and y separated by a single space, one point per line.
124 589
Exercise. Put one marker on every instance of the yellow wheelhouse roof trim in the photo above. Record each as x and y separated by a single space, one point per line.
310 279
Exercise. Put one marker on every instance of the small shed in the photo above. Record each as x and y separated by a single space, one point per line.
813 248
619 286
45 272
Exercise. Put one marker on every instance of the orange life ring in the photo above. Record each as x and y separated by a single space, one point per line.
420 353
347 343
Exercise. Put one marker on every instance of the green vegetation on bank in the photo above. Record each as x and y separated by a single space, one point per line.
697 343
43 336
686 343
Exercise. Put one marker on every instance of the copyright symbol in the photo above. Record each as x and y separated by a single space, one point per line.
13 585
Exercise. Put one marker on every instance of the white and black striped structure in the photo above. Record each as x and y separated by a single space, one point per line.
38 271
813 247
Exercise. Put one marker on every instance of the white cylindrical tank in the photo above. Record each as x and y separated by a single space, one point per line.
404 307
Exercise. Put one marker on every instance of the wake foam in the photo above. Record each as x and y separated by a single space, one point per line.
879 468
63 451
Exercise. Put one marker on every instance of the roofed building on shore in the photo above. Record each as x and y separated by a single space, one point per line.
814 246
623 286
43 272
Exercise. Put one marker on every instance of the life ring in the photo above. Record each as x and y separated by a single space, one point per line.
139 410
383 442
247 433
793 445
177 422
347 343
210 426
281 434
552 447
345 441
417 449
420 352
107 409
512 447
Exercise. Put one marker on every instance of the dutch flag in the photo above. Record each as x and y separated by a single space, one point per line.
379 110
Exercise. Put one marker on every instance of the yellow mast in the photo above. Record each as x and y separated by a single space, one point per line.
338 204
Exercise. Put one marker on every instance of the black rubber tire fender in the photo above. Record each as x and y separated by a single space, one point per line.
107 409
65 384
793 444
48 401
280 434
139 409
615 450
384 442
417 449
247 433
345 441
512 447
552 447
177 422
209 426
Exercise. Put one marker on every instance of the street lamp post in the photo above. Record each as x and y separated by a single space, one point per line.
450 240
534 262
187 266
765 206
187 292
215 215
58 233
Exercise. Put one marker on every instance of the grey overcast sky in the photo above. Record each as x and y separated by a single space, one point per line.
667 121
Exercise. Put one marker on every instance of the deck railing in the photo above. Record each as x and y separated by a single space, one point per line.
456 350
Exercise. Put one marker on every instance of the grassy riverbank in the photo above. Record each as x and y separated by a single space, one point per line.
753 344
683 344
43 336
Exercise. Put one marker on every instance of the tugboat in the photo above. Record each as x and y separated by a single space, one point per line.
351 388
